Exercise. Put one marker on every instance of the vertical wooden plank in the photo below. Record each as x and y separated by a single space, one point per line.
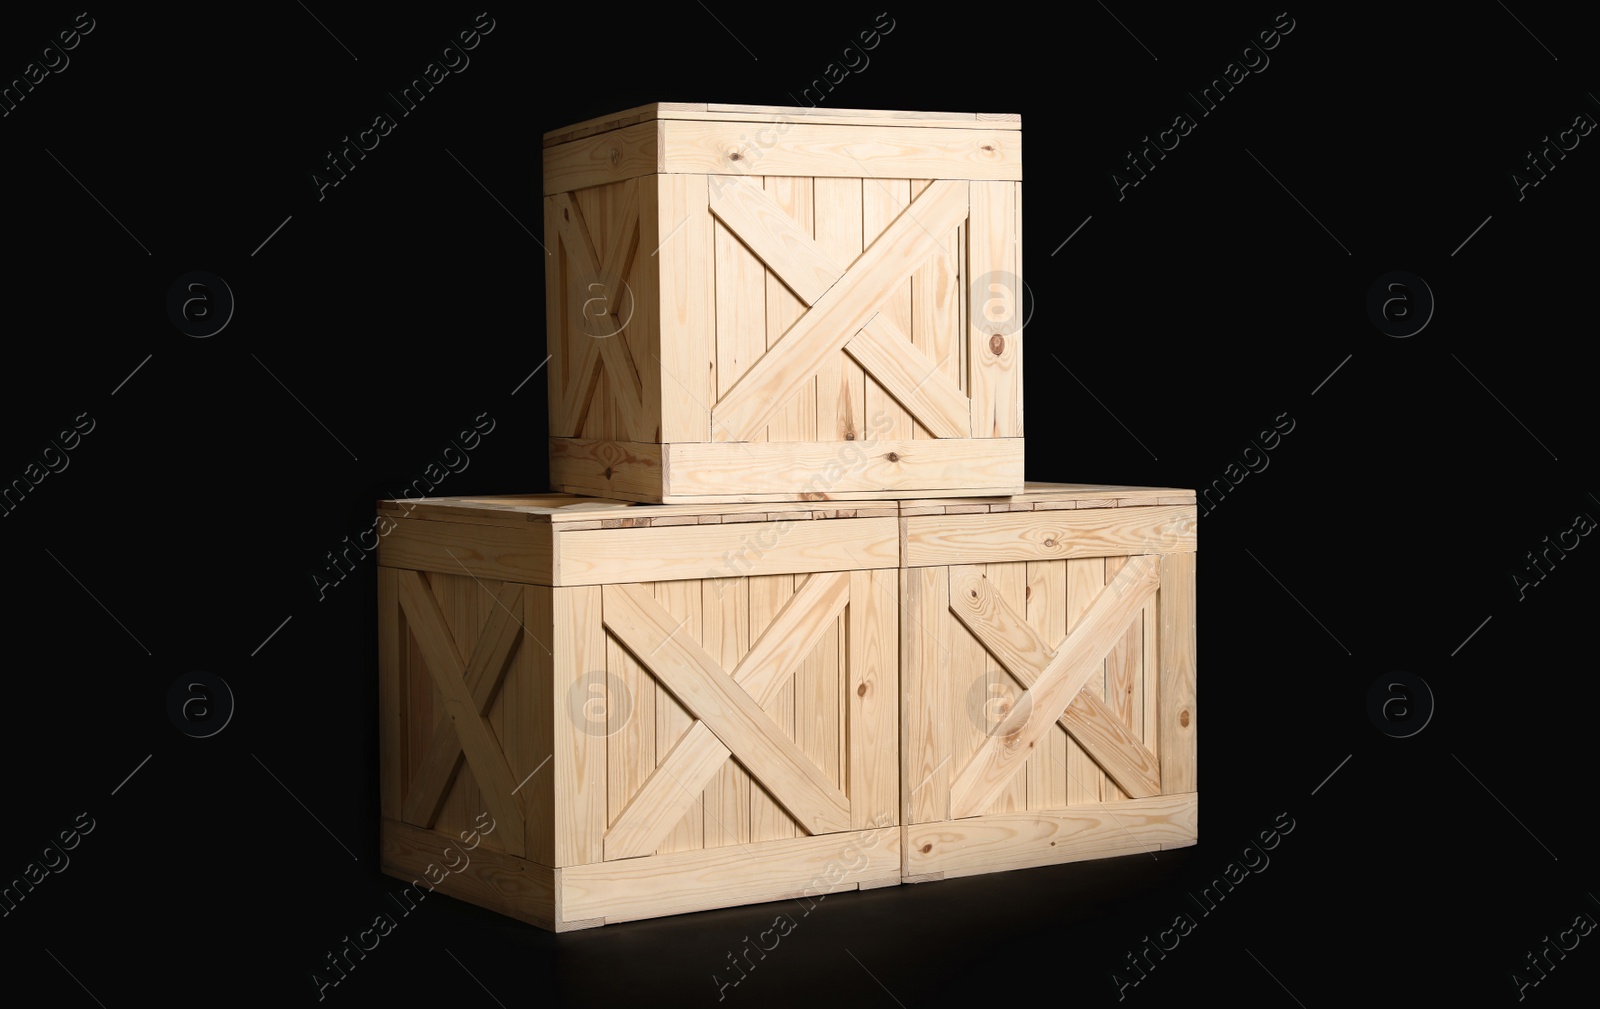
1086 579
1151 674
883 200
556 334
741 296
993 256
1015 387
424 710
578 771
1178 720
1010 584
1124 673
535 658
683 230
797 419
682 599
456 595
873 699
391 696
726 613
926 720
768 594
936 324
841 384
643 327
630 727
1047 614
973 712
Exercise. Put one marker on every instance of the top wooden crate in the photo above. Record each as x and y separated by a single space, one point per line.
748 303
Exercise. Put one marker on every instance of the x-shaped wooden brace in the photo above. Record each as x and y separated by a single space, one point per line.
728 707
843 308
468 686
1054 678
621 245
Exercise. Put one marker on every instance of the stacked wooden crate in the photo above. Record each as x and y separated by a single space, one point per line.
792 623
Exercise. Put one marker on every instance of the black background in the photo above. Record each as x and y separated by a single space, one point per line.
379 320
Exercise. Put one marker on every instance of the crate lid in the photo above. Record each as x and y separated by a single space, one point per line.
709 112
1051 497
570 512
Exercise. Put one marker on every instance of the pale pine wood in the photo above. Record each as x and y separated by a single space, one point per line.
925 722
1049 535
841 383
1073 666
699 681
1178 720
873 698
1047 616
1123 673
995 377
755 548
682 599
797 420
741 322
1131 769
521 555
727 639
840 312
391 696
768 595
783 245
828 470
627 153
476 736
805 867
1009 584
512 886
578 768
937 326
965 847
682 251
883 200
609 468
912 379
1086 579
819 150
539 707
770 114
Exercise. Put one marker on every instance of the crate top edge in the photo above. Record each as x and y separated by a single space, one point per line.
1037 496
571 511
713 112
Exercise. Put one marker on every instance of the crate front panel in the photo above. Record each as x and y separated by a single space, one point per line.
725 711
1049 708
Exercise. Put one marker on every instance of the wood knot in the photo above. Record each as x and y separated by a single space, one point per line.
1183 718
997 344
735 156
988 147
1050 542
607 473
927 848
615 155
893 457
973 593
861 691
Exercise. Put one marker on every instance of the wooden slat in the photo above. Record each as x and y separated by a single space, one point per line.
1178 720
612 469
742 549
996 377
735 874
621 154
477 738
1112 745
630 724
915 381
1086 580
578 768
391 696
486 668
1009 584
841 312
938 329
513 886
558 340
841 384
682 599
726 710
1048 535
797 419
783 246
1067 672
842 151
431 783
768 595
1122 677
882 201
1047 615
1023 840
459 549
842 470
872 695
926 717
682 260
727 639
741 321
538 709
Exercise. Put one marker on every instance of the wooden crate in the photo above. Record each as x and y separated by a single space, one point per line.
1048 677
595 711
747 303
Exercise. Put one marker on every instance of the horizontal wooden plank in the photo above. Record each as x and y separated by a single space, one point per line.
512 886
627 153
734 874
456 548
816 471
628 470
780 114
604 556
914 152
1002 841
1048 496
618 120
1048 535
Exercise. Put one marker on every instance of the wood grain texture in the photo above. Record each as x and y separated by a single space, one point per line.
789 471
622 154
1048 535
1178 720
734 550
781 244
578 768
907 374
834 151
391 696
682 258
872 698
926 717
519 555
995 343
513 886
